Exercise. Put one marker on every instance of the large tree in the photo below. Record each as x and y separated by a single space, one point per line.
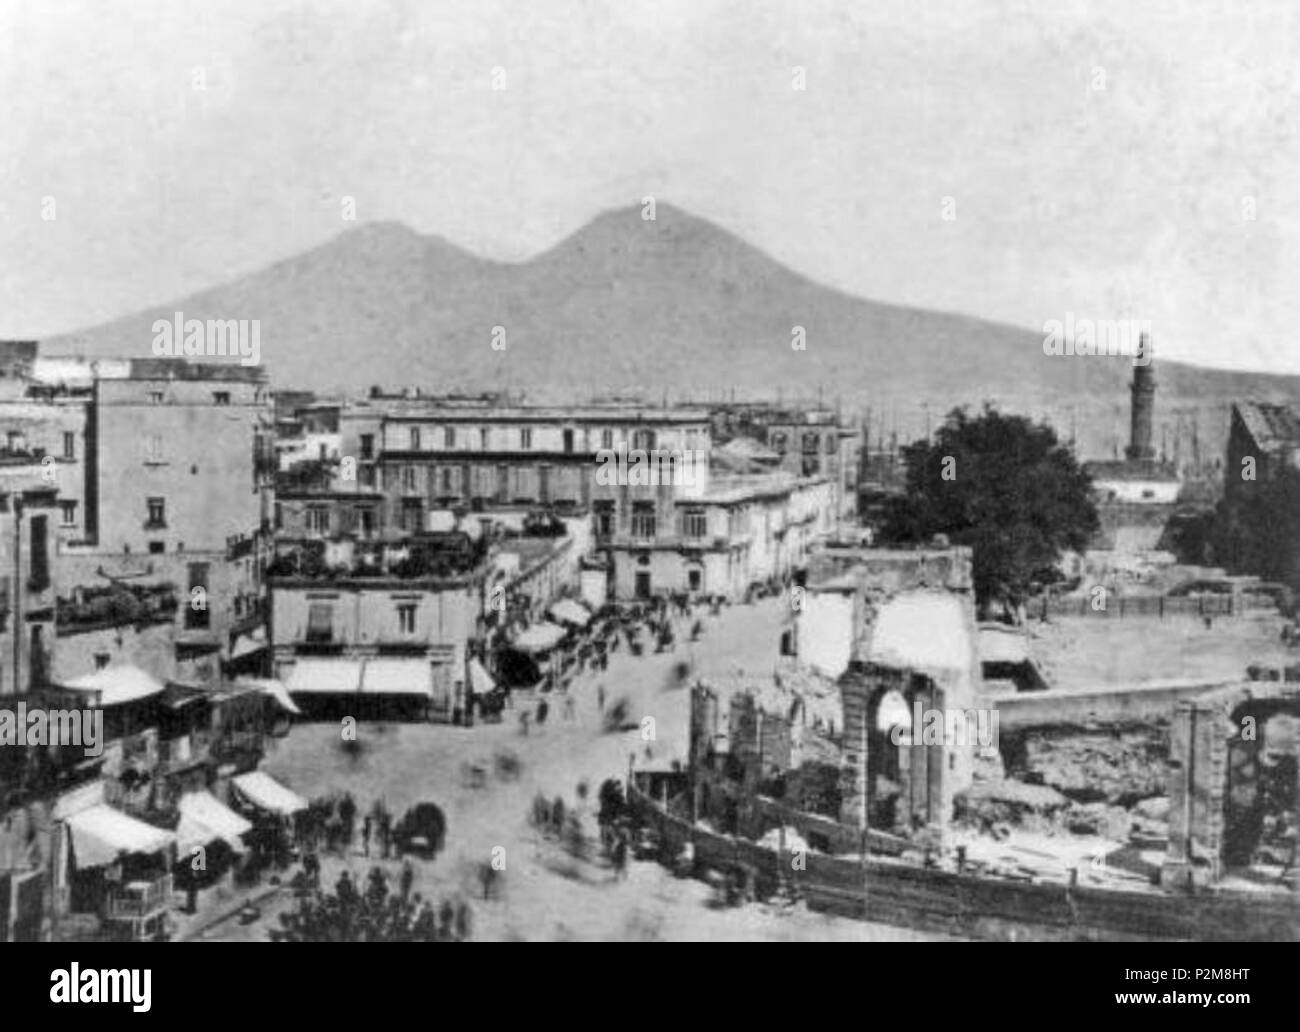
1003 485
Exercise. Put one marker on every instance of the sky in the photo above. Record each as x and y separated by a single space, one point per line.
1016 161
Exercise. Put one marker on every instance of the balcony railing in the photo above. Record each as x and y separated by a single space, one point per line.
139 899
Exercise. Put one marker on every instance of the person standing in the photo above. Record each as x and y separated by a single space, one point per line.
620 858
366 826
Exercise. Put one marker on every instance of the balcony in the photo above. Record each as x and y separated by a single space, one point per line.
139 899
93 609
427 556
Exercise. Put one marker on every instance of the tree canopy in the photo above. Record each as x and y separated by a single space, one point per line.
1004 486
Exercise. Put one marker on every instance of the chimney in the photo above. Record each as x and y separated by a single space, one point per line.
1143 398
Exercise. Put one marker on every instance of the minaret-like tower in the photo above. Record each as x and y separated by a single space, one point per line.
1143 395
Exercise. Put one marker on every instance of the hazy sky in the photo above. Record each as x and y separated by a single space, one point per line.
1104 159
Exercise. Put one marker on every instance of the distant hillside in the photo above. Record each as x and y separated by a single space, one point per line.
676 305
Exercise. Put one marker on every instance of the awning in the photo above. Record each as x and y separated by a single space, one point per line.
265 792
100 834
205 820
275 689
480 681
397 677
540 637
117 684
248 645
325 676
566 610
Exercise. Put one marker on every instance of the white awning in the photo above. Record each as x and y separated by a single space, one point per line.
117 684
273 688
397 677
247 645
204 819
100 834
540 637
566 610
325 676
265 792
480 681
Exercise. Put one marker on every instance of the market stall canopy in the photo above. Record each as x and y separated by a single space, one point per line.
275 689
480 681
204 819
566 610
397 677
100 834
325 677
118 684
265 792
540 637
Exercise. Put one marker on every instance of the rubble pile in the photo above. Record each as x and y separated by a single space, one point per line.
1116 766
1005 802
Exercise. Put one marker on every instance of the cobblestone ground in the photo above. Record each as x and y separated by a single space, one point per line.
544 894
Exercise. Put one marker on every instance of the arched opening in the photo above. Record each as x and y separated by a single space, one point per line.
904 769
1260 797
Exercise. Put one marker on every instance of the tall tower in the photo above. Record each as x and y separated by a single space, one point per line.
1143 395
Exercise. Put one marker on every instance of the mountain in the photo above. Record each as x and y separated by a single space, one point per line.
675 305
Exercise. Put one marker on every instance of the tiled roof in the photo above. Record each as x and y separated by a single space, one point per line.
1269 424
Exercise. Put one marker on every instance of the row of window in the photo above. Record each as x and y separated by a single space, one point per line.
645 521
157 396
15 438
320 621
641 440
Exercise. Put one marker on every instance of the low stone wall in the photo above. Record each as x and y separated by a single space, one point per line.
970 906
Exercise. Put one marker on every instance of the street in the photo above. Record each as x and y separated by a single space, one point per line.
543 893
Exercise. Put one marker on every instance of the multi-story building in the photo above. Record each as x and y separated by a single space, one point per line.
816 443
385 625
739 532
163 495
808 440
424 454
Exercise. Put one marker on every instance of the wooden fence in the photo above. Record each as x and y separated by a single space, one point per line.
1146 606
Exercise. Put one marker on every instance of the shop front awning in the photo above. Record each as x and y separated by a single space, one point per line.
205 820
325 677
264 792
540 637
397 677
100 834
115 685
566 610
480 681
275 689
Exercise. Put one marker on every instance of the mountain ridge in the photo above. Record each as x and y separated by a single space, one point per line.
675 305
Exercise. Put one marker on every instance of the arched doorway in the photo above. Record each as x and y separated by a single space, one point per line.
905 769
